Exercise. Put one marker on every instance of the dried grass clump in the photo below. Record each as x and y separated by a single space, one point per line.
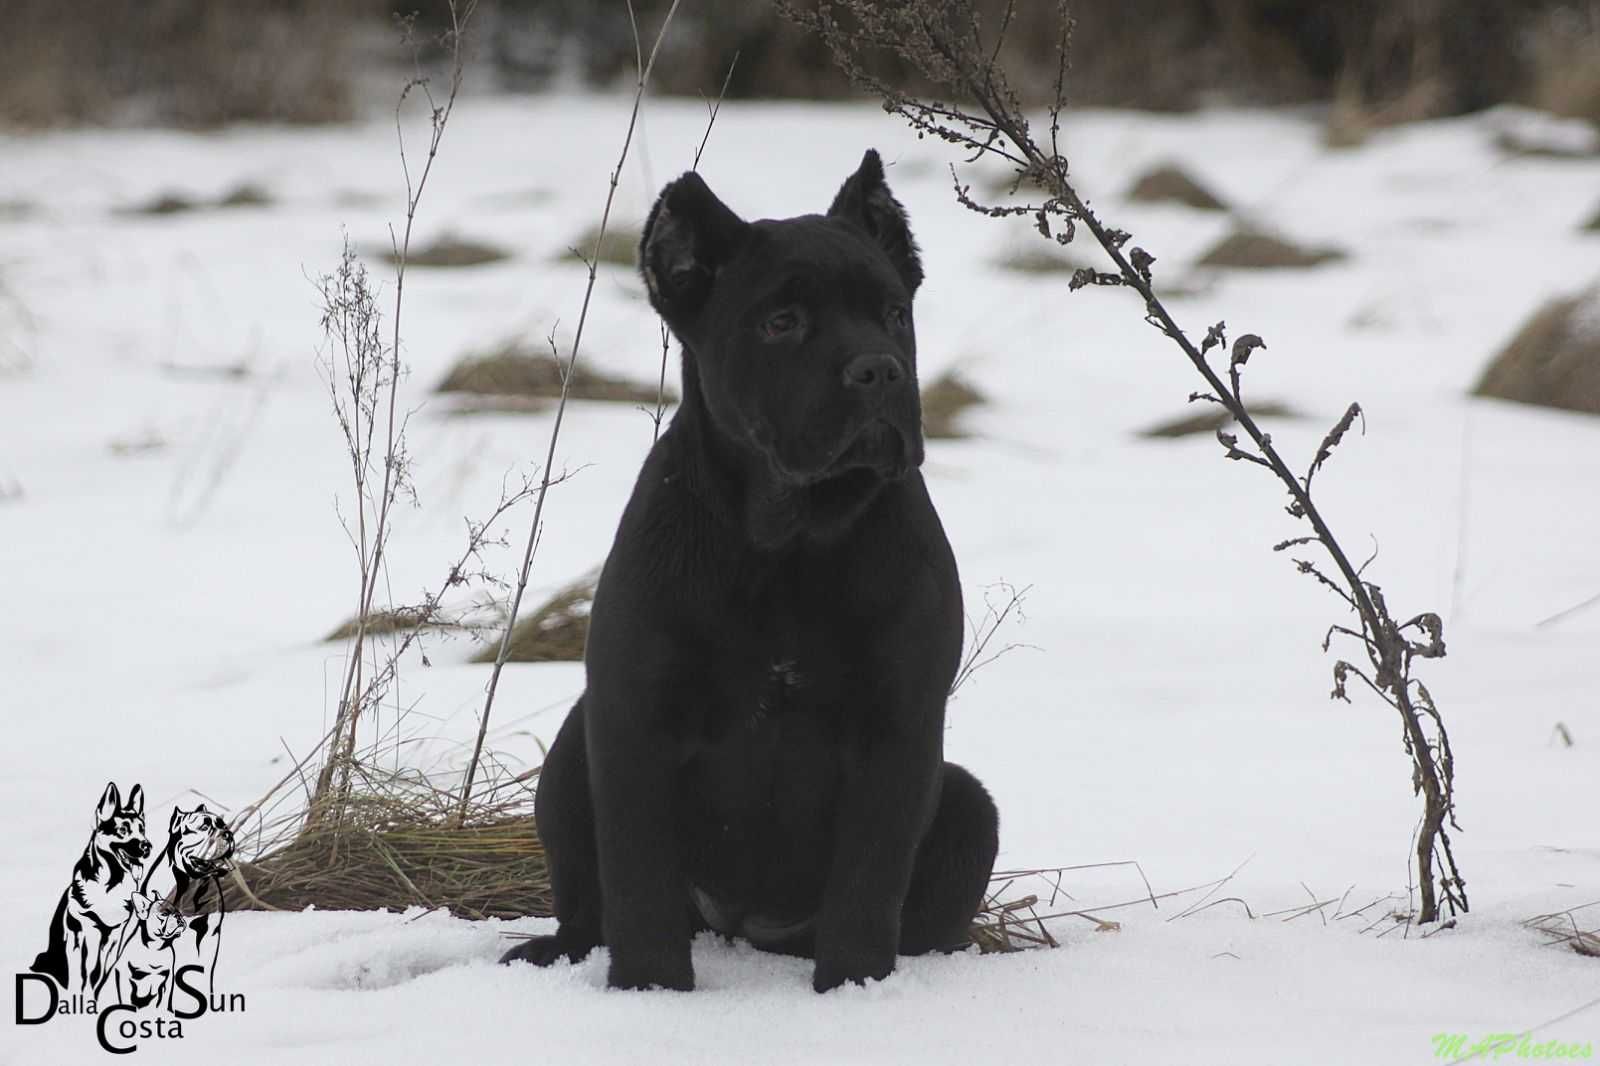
380 622
177 203
1005 926
1554 360
1593 225
944 399
167 203
515 377
1169 184
396 841
245 195
619 246
450 251
556 632
1212 419
1247 249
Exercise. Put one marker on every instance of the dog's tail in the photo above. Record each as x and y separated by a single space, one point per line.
52 961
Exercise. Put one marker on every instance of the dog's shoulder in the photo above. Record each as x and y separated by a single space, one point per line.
669 560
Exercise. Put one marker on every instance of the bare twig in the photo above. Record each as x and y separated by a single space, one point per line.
712 107
372 377
984 629
644 68
943 40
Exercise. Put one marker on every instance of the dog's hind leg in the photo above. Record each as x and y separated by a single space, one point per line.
52 961
564 815
952 867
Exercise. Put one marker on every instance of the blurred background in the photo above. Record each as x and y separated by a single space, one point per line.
200 63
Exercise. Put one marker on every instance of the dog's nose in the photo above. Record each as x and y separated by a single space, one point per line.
873 372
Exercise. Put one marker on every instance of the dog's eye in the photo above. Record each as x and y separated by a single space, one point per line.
899 316
780 324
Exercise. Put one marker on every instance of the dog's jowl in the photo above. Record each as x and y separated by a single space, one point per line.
759 749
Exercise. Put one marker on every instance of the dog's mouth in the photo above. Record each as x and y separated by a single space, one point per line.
212 856
137 849
879 447
210 867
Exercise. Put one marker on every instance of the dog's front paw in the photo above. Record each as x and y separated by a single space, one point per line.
544 950
830 973
651 972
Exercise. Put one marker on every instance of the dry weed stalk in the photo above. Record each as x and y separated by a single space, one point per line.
363 375
946 42
712 107
985 628
535 526
1562 928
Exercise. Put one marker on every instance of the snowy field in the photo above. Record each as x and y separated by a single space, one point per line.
170 559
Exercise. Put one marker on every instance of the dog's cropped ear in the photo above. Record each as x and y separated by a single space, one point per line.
865 199
178 814
689 236
136 800
110 800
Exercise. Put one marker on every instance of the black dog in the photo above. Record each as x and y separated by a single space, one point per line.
760 746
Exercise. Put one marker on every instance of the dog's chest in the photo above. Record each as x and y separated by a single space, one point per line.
778 691
768 732
107 904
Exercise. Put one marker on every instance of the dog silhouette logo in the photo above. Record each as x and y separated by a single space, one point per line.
86 929
134 935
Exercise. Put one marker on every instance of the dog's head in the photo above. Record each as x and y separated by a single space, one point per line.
119 827
202 843
798 331
161 921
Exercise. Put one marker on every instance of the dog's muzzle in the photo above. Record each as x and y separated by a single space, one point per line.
881 447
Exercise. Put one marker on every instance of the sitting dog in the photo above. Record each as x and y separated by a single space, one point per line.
139 977
199 850
85 930
759 748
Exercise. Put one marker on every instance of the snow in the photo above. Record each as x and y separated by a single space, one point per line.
163 606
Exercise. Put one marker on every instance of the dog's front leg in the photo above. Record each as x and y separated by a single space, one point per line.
889 796
106 958
633 764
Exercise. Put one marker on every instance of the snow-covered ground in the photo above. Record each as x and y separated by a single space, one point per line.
170 558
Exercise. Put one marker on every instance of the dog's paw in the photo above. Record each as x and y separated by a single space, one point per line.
545 950
673 974
831 973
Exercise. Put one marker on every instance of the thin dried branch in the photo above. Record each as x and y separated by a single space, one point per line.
980 114
535 527
364 380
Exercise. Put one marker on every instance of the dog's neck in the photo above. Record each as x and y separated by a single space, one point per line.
743 491
165 858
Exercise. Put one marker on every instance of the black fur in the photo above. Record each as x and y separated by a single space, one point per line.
760 746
